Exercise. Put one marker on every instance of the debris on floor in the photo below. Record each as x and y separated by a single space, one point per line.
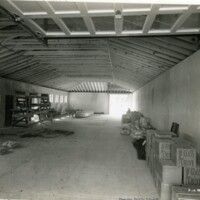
4 150
7 146
125 129
11 131
71 113
139 144
135 124
45 133
83 113
10 144
30 134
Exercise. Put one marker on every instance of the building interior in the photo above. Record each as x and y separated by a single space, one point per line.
99 100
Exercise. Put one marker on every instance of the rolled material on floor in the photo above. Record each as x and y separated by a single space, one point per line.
83 113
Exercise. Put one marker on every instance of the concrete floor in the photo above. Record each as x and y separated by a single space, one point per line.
96 163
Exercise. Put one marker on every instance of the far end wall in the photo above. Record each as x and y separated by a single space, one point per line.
97 102
174 97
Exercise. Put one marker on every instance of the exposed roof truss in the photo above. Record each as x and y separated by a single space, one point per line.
79 19
66 63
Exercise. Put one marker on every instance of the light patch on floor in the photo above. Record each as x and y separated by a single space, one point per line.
96 163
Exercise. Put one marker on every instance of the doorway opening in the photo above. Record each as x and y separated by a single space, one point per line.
119 104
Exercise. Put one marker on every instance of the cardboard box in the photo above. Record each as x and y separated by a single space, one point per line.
161 135
183 154
185 193
163 148
152 162
149 134
148 153
158 183
147 161
168 172
165 134
164 190
191 176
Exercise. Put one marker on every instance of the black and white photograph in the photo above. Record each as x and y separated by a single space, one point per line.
99 99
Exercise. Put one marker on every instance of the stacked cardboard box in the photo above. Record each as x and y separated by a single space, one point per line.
161 135
164 190
167 174
152 164
185 193
192 176
164 171
167 171
152 136
149 150
183 154
149 135
168 159
162 148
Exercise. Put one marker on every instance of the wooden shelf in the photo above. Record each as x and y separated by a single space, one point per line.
25 109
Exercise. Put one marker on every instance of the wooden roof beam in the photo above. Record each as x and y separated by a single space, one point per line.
22 25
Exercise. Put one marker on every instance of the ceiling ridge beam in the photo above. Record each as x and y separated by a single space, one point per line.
19 22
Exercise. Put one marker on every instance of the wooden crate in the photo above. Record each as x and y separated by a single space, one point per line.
168 172
163 148
183 154
191 176
185 193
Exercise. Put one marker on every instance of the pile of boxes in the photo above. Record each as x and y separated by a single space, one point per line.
191 176
172 162
185 193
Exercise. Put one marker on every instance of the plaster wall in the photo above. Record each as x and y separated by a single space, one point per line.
174 96
97 102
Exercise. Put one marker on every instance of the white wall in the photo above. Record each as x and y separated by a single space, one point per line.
97 102
174 97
